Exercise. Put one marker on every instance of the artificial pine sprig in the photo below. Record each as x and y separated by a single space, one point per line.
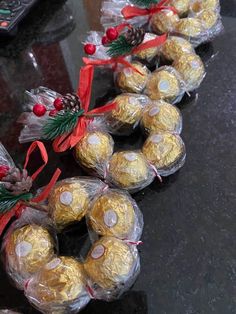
63 122
9 200
144 3
119 47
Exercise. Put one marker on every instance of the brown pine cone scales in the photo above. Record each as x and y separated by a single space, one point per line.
71 102
17 182
134 36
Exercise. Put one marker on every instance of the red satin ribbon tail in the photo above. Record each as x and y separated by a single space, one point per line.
5 218
103 109
85 86
158 41
61 143
129 12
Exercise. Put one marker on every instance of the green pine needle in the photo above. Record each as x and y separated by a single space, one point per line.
62 123
144 3
8 200
119 47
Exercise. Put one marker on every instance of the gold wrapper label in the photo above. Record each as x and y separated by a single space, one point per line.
130 156
94 139
110 218
23 249
66 198
53 264
152 112
128 72
98 251
164 86
156 138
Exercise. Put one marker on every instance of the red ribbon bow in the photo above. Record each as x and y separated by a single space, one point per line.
16 210
130 11
69 140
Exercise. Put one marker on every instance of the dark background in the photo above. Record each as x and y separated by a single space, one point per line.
188 258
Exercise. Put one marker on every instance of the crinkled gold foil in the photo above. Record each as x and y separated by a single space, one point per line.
161 116
61 280
112 214
182 6
191 68
109 262
200 5
28 249
164 85
164 21
131 81
68 203
175 47
128 169
163 149
208 18
190 27
150 53
94 149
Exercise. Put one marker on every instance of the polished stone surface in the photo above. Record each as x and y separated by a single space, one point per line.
188 257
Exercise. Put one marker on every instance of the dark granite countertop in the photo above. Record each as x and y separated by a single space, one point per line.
188 258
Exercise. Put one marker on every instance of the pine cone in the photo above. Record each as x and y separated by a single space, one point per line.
71 102
17 182
135 36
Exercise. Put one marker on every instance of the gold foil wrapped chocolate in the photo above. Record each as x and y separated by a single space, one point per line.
112 266
127 114
115 213
94 150
175 47
164 21
165 84
199 5
129 80
27 249
129 170
59 287
162 116
192 70
182 6
190 27
150 53
166 151
208 17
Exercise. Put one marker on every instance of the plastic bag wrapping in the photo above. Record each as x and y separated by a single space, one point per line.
125 118
59 287
115 213
161 116
191 69
69 200
165 151
94 150
112 266
164 21
5 311
199 5
29 243
131 81
32 125
149 55
129 170
95 38
182 6
112 15
166 84
6 162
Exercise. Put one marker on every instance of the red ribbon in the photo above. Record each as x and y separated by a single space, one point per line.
130 11
16 210
69 140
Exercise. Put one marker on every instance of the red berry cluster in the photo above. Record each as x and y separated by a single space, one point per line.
39 109
111 34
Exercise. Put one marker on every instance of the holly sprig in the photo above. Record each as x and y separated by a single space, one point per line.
63 122
9 200
119 47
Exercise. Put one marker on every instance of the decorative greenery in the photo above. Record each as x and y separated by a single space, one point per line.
62 123
9 200
145 3
119 47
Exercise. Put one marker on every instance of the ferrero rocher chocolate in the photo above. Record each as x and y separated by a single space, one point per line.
164 84
208 18
165 151
182 6
68 202
191 68
162 116
200 5
150 53
190 27
27 249
94 149
132 81
128 169
58 283
110 263
112 214
175 47
164 21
